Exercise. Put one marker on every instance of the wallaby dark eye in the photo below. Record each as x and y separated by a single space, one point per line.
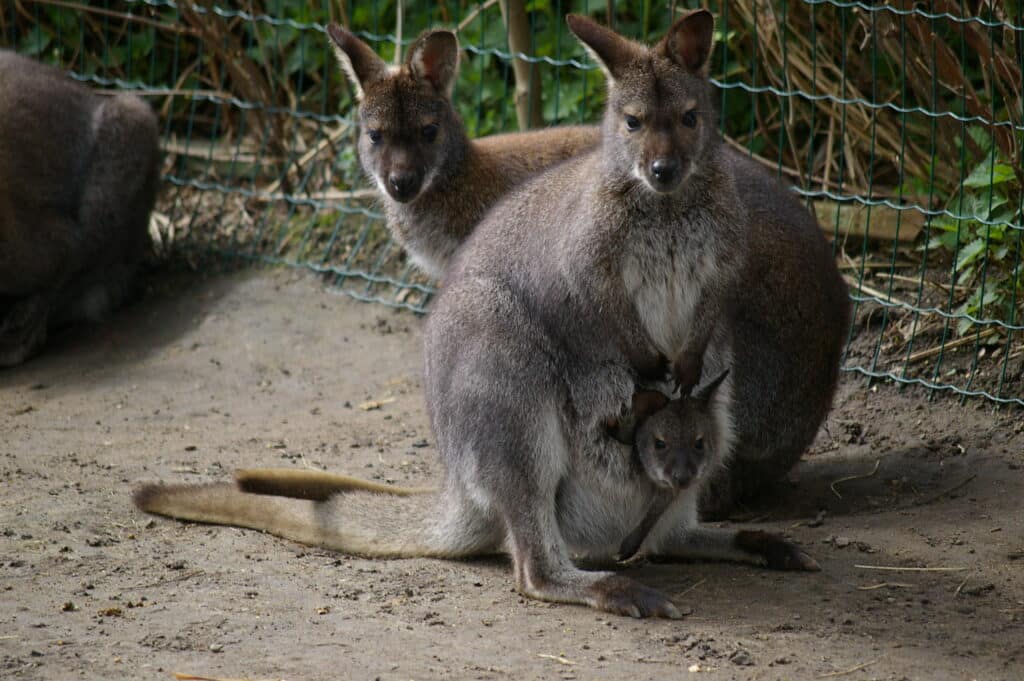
699 444
374 135
430 132
690 119
659 443
632 123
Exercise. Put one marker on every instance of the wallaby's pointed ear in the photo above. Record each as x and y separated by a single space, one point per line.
434 57
689 41
705 392
647 402
360 63
609 49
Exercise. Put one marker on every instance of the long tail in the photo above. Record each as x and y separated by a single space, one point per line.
312 485
360 523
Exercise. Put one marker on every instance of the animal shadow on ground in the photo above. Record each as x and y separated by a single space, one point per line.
164 308
859 483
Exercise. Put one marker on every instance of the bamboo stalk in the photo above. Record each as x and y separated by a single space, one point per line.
527 97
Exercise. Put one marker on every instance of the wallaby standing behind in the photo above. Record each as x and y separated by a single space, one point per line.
574 280
436 184
78 178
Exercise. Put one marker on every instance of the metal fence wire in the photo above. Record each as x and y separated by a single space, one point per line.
900 124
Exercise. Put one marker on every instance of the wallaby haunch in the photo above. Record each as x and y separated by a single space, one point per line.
436 183
564 294
78 178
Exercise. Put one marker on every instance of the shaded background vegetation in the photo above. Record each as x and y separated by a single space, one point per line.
900 124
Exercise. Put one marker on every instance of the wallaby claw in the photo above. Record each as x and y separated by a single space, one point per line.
774 552
806 563
624 596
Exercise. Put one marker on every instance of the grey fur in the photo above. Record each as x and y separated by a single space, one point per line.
78 178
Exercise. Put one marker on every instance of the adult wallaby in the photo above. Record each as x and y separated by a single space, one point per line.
78 178
594 268
436 184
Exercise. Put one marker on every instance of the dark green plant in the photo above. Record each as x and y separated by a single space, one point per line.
985 237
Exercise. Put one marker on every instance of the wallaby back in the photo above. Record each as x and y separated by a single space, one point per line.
78 179
435 183
786 328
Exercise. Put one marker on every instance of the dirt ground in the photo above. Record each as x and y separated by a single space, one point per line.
268 368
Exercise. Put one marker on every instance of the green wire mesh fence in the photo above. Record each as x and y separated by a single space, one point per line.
900 124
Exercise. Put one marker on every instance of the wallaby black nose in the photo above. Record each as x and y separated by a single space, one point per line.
403 186
684 471
664 170
681 478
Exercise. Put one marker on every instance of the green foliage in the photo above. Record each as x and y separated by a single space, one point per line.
985 238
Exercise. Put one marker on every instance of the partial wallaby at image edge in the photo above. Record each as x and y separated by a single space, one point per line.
78 179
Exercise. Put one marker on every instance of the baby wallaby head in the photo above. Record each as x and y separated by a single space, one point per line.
676 442
409 128
659 119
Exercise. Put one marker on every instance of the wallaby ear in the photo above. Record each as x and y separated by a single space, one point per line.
609 49
704 393
434 57
647 402
689 41
360 63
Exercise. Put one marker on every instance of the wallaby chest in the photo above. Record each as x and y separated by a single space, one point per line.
667 267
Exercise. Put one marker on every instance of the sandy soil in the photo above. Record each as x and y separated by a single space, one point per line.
267 368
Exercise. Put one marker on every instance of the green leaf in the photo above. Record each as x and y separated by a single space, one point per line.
989 173
969 254
980 136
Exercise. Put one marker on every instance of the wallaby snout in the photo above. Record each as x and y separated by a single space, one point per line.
676 468
404 185
684 468
664 174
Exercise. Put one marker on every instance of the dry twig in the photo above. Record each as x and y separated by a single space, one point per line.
853 477
844 672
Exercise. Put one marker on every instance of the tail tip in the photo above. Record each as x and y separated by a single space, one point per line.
145 496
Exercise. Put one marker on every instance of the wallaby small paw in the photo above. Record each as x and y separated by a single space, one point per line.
624 596
774 552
